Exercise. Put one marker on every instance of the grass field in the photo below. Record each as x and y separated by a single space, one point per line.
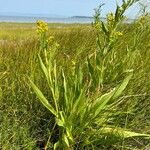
26 124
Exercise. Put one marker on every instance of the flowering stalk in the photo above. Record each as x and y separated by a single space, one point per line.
42 28
107 37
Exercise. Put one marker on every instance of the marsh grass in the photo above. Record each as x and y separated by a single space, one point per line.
26 124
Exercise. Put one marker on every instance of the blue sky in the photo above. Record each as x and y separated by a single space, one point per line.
59 7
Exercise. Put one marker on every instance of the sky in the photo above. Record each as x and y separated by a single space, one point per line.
60 7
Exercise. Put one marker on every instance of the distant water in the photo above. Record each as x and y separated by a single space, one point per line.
23 19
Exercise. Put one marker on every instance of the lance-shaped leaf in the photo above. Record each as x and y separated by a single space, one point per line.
124 133
108 98
43 99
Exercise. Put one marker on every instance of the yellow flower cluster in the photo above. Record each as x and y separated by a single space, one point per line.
110 17
118 34
115 35
42 27
110 20
98 25
50 40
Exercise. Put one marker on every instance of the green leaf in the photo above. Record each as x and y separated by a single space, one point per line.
105 30
80 76
56 145
65 89
44 69
62 116
42 98
55 75
59 122
79 102
66 140
123 132
122 86
69 135
90 67
101 102
117 13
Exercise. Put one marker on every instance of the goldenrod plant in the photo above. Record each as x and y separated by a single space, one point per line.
26 124
83 114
